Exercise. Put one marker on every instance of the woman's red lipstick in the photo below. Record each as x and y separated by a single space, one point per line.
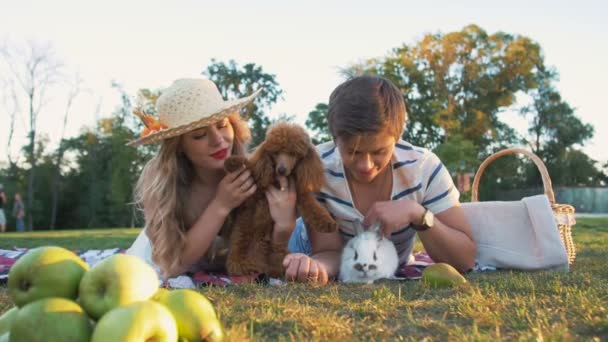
221 154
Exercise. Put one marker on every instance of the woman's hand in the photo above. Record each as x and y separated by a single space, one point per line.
282 205
234 189
394 215
302 268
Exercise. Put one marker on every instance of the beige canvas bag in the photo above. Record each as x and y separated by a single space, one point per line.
531 234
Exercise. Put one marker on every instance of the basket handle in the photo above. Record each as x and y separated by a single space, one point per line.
537 161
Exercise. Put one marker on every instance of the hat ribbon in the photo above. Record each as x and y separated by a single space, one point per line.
151 124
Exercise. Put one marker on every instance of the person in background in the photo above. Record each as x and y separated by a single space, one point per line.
2 204
19 213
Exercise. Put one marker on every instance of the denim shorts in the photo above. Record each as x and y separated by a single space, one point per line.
298 242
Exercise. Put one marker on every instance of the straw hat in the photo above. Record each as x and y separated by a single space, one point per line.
186 105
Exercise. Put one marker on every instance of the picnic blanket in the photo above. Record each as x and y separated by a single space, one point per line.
411 271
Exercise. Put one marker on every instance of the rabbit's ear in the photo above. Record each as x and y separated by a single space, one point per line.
358 227
375 227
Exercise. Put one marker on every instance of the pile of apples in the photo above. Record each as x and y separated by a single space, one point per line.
58 297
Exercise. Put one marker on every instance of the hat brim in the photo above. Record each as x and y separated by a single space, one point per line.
231 107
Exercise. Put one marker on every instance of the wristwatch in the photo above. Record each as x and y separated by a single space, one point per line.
426 222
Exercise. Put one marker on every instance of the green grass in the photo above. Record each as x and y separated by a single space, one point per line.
71 239
498 305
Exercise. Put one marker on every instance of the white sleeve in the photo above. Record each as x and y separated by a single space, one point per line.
141 247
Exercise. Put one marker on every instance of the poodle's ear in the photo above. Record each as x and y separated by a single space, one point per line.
263 168
309 172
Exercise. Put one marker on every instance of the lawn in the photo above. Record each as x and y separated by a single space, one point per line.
498 305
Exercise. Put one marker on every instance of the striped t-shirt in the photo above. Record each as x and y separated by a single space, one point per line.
418 175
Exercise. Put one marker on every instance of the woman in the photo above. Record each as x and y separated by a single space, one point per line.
184 192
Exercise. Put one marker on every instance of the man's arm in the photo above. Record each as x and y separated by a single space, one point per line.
450 240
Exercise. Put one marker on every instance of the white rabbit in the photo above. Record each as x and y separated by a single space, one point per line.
368 256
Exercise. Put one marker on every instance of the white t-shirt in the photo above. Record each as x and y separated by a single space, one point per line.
142 247
418 175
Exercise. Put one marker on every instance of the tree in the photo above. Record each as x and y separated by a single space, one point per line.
11 103
235 82
458 153
554 134
551 119
75 90
457 84
105 170
317 123
32 70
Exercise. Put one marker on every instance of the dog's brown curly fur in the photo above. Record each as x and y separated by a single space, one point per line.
288 151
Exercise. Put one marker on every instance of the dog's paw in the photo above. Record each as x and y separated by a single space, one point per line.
234 163
241 269
235 269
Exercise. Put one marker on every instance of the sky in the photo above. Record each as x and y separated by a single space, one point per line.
148 44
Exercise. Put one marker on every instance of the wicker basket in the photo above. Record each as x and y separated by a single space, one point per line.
564 213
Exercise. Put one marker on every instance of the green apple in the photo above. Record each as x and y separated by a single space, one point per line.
139 321
442 275
194 314
160 294
117 280
216 333
6 320
51 319
45 272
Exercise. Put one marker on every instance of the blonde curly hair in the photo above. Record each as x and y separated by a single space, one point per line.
160 192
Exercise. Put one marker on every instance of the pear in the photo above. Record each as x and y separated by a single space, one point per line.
442 275
6 320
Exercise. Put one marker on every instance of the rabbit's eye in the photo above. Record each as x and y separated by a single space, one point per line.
375 256
356 255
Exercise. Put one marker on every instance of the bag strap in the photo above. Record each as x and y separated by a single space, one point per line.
537 161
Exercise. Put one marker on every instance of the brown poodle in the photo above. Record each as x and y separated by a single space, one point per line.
287 151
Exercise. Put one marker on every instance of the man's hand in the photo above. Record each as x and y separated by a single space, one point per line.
393 215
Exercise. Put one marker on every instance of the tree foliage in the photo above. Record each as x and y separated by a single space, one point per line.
318 125
457 84
32 69
234 82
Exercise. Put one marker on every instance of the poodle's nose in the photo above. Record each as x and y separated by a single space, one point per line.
282 170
